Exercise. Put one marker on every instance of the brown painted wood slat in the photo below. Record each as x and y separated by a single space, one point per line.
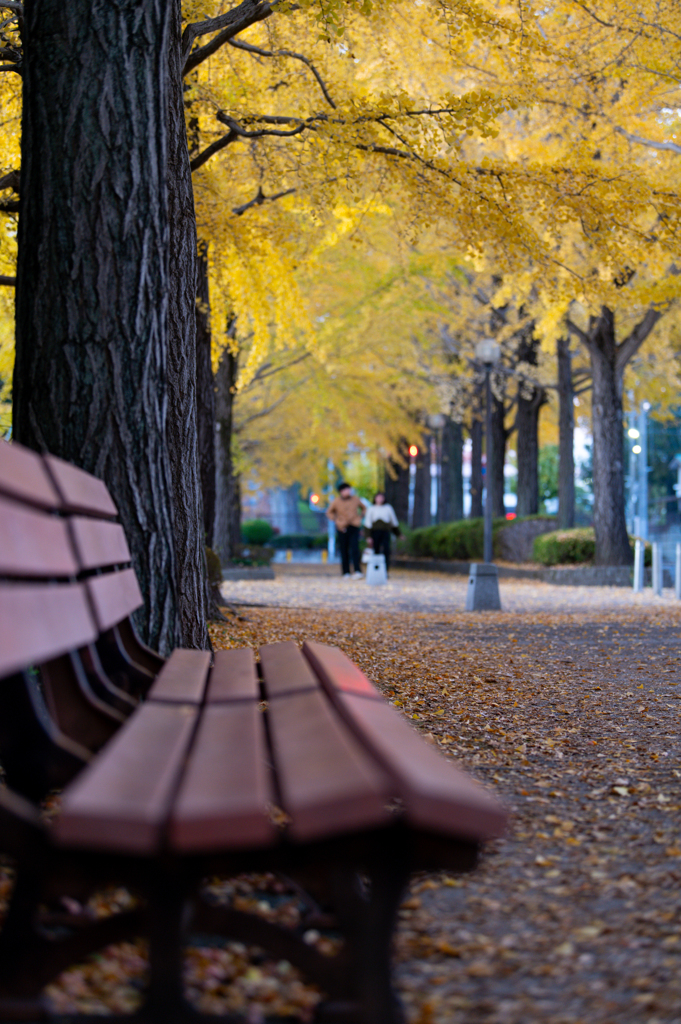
122 800
182 679
329 784
114 596
234 676
23 476
336 671
286 670
222 802
98 543
33 543
78 490
437 795
41 621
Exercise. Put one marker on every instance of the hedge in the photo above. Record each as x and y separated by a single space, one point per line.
300 541
461 541
256 531
566 547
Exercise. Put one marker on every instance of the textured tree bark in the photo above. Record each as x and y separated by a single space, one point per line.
612 541
182 436
205 396
476 469
451 479
227 485
90 380
530 400
421 515
499 438
397 484
566 436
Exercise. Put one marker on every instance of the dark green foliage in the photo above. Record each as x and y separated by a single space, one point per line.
252 554
256 531
300 541
461 541
570 547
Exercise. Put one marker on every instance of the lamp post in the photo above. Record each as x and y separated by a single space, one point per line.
483 582
487 351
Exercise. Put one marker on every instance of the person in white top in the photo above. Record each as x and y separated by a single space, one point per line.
381 521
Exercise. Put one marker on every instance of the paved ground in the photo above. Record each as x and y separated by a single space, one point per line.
318 586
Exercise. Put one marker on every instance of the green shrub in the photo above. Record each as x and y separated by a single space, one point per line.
565 547
460 541
570 547
300 541
252 554
256 531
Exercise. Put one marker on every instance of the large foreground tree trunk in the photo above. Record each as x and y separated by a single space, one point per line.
90 379
608 362
205 396
451 470
227 484
566 436
182 436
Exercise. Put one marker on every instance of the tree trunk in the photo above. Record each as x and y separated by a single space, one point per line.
421 515
205 396
227 485
182 437
499 437
528 450
612 541
397 484
476 469
90 379
451 479
566 436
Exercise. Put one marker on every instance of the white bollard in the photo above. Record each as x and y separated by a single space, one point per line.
376 572
657 568
638 566
677 575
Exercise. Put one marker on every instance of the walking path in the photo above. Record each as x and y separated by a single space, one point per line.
319 586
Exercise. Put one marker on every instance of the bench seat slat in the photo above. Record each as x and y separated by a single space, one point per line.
42 621
114 596
336 671
23 476
80 491
33 543
122 800
285 670
437 795
222 803
327 781
98 542
183 677
234 676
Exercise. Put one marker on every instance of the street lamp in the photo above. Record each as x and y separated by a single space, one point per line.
483 582
487 352
413 452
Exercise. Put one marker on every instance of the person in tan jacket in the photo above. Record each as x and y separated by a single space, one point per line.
347 511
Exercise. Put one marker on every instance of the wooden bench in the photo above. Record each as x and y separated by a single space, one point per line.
181 769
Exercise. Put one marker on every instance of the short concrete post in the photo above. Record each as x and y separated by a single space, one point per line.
638 566
483 588
376 572
677 574
657 568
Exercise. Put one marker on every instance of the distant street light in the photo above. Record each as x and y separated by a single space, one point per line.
633 433
488 351
413 451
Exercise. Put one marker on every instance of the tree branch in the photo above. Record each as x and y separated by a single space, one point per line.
582 335
9 282
228 25
249 48
672 147
632 343
215 147
261 198
9 206
12 5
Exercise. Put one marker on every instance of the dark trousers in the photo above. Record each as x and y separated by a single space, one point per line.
348 543
381 539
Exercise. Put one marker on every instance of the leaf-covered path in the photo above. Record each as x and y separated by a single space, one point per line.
573 719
